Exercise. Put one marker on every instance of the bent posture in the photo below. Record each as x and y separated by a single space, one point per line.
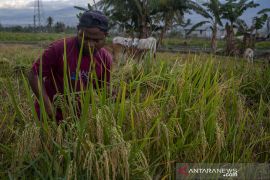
93 27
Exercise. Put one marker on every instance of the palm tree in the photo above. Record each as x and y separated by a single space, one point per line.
49 22
268 27
248 31
171 13
125 14
265 19
213 13
139 15
89 7
95 4
133 15
231 11
59 27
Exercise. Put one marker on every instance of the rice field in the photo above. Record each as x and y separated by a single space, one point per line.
30 37
182 108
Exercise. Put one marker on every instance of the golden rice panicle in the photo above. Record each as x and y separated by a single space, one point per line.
29 143
99 127
59 135
71 172
106 165
220 139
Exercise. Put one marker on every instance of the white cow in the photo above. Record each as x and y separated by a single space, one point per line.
249 55
146 44
121 47
240 38
126 42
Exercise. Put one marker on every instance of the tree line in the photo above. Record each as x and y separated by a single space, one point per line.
143 17
49 27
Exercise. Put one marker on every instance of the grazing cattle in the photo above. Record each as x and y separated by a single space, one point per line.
126 42
125 48
121 47
249 55
148 44
240 38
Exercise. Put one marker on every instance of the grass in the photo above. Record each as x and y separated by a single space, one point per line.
191 42
48 37
180 108
30 37
263 45
169 43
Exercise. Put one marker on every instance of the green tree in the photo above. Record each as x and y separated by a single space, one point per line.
213 13
146 16
131 15
268 26
59 27
231 11
49 22
171 13
247 31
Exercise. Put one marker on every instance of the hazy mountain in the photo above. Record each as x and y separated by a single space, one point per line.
25 16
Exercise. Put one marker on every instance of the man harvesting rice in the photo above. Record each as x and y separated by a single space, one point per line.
93 28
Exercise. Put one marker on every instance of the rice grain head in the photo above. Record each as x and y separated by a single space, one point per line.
220 139
99 127
29 143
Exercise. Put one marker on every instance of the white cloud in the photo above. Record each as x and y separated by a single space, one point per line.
13 4
53 4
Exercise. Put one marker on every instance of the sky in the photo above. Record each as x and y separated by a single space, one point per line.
20 12
22 4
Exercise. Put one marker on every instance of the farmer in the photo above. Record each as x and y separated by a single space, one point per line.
93 28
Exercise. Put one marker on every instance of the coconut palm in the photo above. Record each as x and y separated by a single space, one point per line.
213 13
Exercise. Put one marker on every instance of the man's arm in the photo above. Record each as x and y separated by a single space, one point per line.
35 85
47 62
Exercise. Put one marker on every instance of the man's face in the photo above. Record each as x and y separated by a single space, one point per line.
93 38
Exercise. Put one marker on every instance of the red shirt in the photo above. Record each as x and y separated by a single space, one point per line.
53 66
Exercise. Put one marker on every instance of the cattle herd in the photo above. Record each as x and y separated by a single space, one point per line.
137 48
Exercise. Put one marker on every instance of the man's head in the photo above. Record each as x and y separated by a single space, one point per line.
93 25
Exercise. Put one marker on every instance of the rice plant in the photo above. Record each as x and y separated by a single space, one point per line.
185 108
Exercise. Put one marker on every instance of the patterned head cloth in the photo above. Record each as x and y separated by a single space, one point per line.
94 19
